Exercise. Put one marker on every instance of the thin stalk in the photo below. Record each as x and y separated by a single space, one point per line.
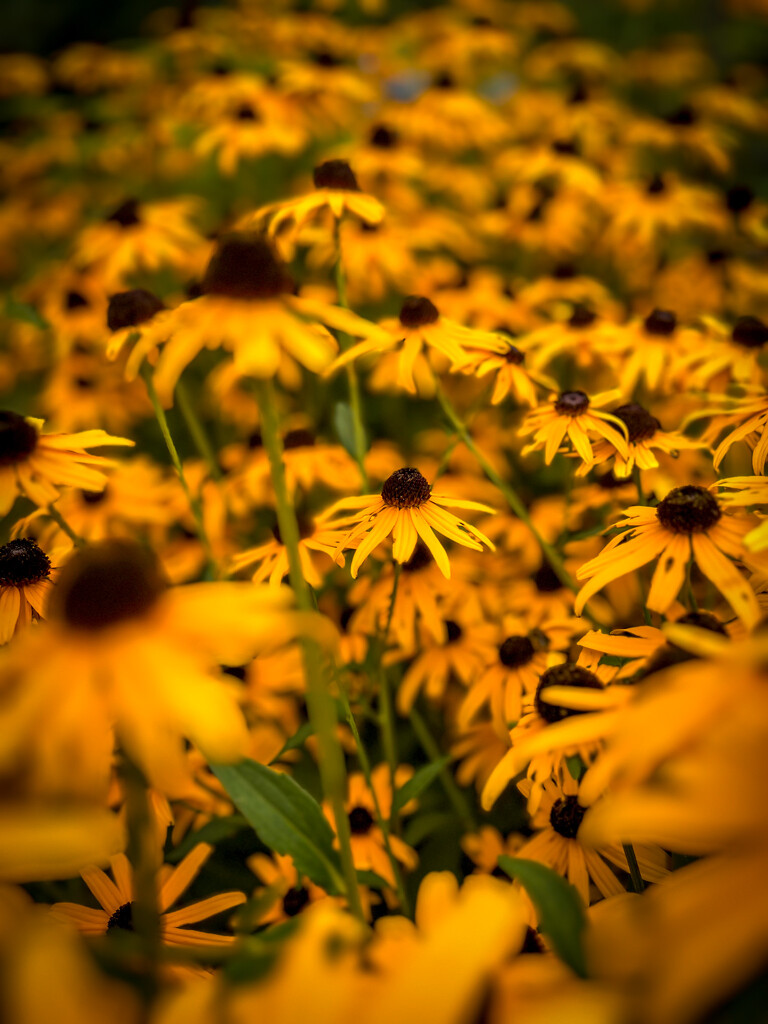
322 711
689 586
638 486
381 821
353 383
452 791
386 714
194 503
638 885
641 501
64 526
142 854
197 431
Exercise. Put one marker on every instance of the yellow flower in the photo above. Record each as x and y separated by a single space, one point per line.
25 583
117 899
407 509
687 525
248 131
35 465
574 415
292 892
511 374
271 558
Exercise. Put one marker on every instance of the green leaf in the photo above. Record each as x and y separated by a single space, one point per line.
297 740
373 880
343 424
286 819
212 832
418 782
575 766
558 906
17 310
421 826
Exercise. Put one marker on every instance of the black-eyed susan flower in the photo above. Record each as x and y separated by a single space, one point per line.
687 526
751 416
126 312
292 891
25 584
248 130
116 896
653 350
407 509
336 192
644 434
247 307
36 465
574 415
417 329
270 559
142 663
512 376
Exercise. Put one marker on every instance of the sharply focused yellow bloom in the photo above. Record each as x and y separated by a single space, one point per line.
574 415
407 509
25 583
36 465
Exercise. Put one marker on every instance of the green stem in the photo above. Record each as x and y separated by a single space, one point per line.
386 714
353 383
641 501
431 749
689 586
320 704
638 885
638 486
142 853
381 821
194 503
197 430
64 526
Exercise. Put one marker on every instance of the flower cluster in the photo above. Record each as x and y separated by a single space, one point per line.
420 595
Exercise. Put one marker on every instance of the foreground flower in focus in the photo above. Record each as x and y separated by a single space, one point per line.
25 582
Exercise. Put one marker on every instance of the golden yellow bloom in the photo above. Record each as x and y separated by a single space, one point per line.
25 583
36 465
572 415
407 509
292 892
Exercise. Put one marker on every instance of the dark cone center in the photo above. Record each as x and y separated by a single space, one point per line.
514 356
126 215
566 816
299 439
516 651
418 311
563 675
245 112
405 488
383 137
17 438
656 185
739 197
661 322
688 509
106 584
582 317
546 579
572 403
750 332
335 174
122 919
639 423
295 900
454 631
360 821
23 563
245 266
74 300
128 309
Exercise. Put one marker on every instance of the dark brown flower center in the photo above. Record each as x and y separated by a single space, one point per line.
245 112
295 900
639 423
567 674
23 563
74 300
405 488
335 174
126 215
531 942
514 356
418 311
93 497
582 317
516 651
454 631
546 579
299 439
245 266
360 821
17 438
661 322
750 332
739 197
572 403
688 509
106 584
656 185
383 137
683 116
122 919
128 309
566 816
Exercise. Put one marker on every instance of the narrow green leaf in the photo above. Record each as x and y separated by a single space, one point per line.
343 424
212 832
558 906
373 880
418 782
575 766
286 819
297 740
15 309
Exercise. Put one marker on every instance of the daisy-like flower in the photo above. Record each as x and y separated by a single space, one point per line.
138 237
126 312
557 822
512 376
651 350
271 558
336 191
574 415
292 891
35 465
751 415
117 899
25 583
408 510
247 307
687 525
644 434
419 328
250 130
141 660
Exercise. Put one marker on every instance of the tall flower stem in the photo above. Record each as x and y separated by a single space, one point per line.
64 526
194 503
386 713
353 383
452 791
634 868
320 704
197 430
143 855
